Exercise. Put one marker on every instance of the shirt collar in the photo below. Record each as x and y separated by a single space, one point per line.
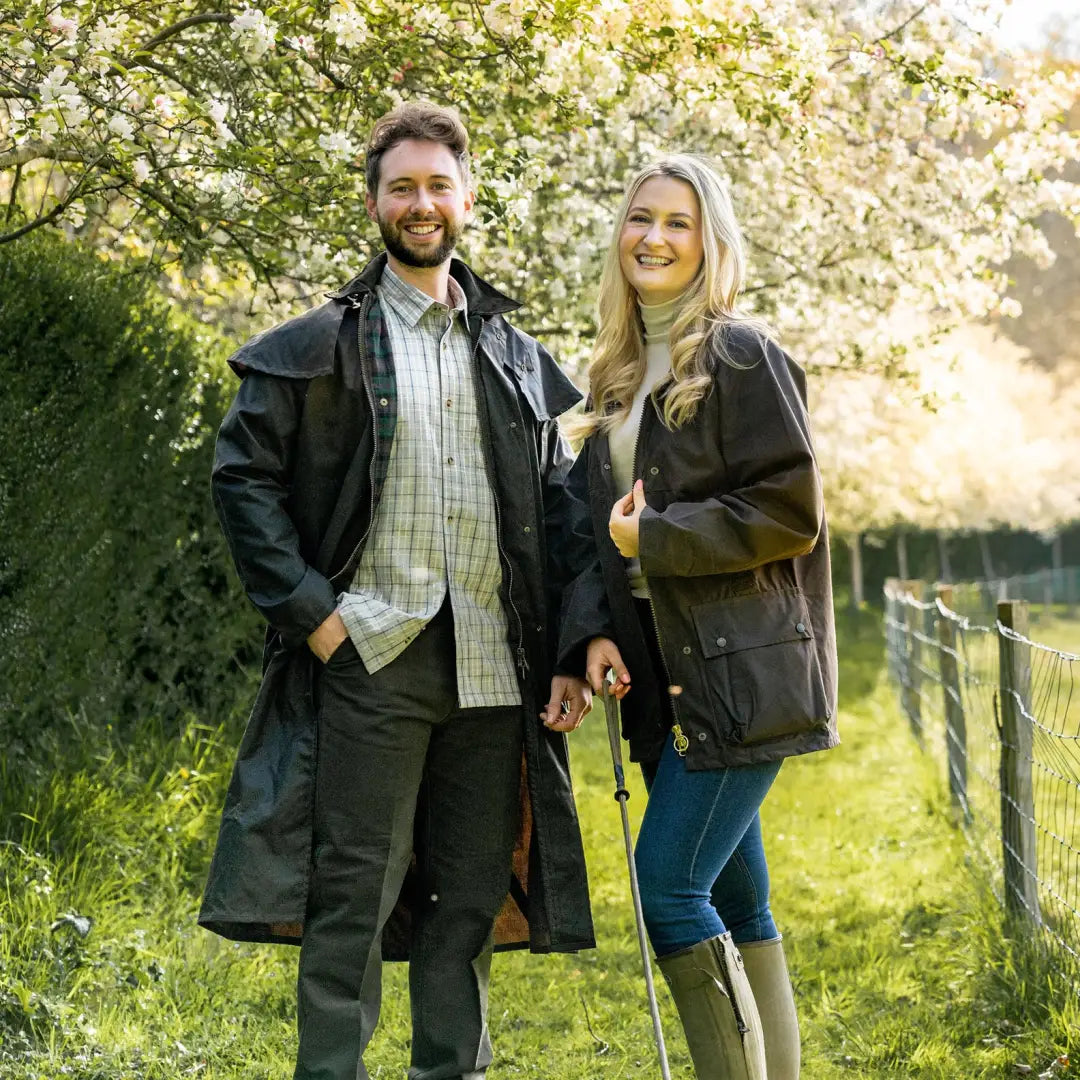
412 304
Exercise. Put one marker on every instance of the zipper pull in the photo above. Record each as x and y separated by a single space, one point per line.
522 663
680 740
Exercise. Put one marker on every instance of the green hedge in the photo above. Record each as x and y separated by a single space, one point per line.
116 598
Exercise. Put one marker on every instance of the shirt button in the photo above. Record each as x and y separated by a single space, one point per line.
528 529
449 402
449 517
800 628
654 470
702 736
607 467
686 649
513 424
384 402
721 641
449 461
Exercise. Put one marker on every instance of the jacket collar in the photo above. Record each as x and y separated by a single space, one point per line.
481 298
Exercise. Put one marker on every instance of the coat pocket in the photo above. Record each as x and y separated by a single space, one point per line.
761 666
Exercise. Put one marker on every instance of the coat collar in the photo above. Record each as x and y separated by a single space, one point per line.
482 299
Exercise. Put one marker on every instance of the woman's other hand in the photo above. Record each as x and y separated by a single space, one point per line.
601 657
624 521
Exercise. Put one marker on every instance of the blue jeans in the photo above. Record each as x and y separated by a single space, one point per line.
699 855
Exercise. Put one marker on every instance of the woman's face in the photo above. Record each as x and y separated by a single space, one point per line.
660 248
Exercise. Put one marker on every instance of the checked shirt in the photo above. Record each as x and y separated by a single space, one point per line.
435 526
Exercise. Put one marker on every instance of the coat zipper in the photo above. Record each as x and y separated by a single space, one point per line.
521 660
679 738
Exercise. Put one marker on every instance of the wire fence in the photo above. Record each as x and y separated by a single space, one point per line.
1051 593
1000 711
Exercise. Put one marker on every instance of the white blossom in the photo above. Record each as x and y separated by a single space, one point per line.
861 62
140 169
255 31
66 26
338 144
347 25
121 126
108 35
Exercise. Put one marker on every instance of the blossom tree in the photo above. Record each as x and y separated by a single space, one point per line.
874 159
976 438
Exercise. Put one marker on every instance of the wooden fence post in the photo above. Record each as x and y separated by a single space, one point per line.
1017 795
955 723
914 622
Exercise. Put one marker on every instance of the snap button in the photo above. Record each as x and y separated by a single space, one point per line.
513 424
654 470
721 641
384 402
801 627
686 649
434 898
702 736
607 467
528 528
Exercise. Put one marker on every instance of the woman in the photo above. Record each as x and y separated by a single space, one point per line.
710 590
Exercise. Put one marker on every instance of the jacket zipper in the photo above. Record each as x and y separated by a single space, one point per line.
678 736
364 306
521 661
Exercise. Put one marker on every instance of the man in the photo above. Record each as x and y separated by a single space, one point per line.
390 480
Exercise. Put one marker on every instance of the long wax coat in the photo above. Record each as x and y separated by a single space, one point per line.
300 462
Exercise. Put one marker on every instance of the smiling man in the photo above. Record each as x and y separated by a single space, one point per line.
390 480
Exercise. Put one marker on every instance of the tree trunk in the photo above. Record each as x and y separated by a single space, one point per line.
854 543
901 555
987 561
1057 559
943 556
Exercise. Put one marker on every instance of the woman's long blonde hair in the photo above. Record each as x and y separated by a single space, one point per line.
710 302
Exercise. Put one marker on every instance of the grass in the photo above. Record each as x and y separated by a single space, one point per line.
903 964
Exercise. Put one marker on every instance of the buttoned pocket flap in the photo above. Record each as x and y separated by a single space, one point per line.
750 622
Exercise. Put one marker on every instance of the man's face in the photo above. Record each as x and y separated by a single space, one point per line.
422 202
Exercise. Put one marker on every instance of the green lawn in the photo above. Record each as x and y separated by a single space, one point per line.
901 963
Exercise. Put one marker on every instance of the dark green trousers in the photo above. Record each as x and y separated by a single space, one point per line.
399 767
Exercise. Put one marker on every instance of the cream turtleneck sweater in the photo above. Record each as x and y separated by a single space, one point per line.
657 320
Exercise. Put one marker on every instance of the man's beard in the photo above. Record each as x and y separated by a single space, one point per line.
395 238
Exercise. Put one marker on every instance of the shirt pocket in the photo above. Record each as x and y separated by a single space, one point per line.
761 666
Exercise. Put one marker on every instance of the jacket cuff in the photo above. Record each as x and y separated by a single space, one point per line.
303 610
651 543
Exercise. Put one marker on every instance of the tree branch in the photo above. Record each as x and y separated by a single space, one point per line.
55 212
31 151
193 20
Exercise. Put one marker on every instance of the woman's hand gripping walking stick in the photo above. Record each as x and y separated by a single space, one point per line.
611 710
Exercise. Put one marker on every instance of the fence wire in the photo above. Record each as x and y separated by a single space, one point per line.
1001 712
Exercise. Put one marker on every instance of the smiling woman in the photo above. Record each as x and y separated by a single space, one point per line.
710 568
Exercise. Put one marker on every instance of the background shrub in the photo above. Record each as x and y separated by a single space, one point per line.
116 597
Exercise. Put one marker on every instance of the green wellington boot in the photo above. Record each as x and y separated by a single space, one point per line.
717 1009
768 974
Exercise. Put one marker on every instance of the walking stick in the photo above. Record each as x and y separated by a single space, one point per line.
611 710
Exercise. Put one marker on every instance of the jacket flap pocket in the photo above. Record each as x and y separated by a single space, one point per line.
748 622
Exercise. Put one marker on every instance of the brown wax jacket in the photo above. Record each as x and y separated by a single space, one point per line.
734 545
